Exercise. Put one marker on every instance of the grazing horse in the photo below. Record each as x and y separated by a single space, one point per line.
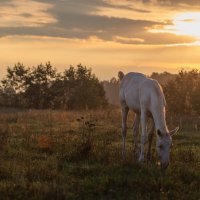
145 97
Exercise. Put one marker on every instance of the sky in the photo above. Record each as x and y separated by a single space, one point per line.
107 35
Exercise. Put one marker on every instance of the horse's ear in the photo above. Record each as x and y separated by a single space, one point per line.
159 133
120 75
173 132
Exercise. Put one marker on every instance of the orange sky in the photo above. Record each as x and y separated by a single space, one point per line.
107 35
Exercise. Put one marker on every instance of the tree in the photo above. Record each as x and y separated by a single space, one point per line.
195 99
112 90
82 88
163 78
181 91
14 85
8 97
38 83
42 87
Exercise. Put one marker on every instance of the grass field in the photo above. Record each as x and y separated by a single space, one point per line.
77 155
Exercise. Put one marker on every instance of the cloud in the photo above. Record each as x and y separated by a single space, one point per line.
80 19
15 13
179 2
168 2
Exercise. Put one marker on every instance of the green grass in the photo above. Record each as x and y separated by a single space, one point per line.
77 155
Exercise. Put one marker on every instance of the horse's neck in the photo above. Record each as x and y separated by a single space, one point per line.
159 120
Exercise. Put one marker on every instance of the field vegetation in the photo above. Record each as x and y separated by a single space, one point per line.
77 155
62 140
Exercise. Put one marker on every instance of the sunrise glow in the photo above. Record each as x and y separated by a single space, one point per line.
106 35
183 24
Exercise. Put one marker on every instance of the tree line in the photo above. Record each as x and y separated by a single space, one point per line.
183 93
42 87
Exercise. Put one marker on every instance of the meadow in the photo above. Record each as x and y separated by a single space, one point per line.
77 155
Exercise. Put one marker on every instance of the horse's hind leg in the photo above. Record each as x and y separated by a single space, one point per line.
125 110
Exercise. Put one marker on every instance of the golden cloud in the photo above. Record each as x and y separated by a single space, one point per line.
25 13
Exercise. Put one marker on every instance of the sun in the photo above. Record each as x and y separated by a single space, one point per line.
183 24
187 24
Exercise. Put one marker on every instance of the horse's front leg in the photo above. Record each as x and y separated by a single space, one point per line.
150 139
143 135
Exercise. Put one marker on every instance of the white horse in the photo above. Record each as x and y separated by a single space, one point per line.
145 97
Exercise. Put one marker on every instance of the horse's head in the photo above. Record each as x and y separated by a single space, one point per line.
164 143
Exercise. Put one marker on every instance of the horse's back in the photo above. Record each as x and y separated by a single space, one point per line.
151 95
137 90
129 90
